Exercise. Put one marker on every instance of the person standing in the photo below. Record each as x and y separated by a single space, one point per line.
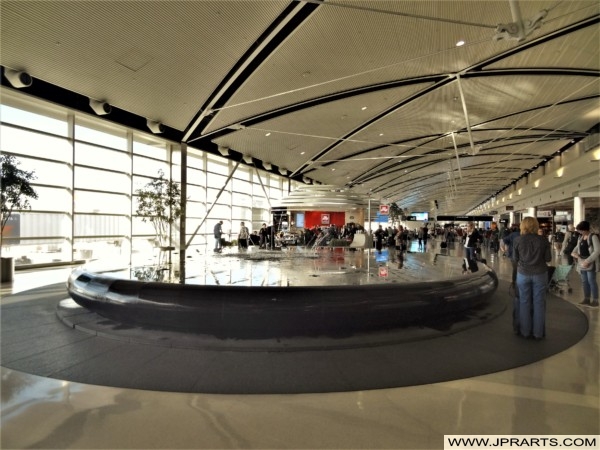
263 236
531 253
569 243
379 235
471 241
509 243
587 253
425 237
218 232
243 236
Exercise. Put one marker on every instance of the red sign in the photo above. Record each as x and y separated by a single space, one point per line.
383 271
384 209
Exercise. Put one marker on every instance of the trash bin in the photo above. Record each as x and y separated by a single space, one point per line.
7 269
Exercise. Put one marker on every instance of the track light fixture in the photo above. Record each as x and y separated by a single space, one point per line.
283 171
100 107
155 127
18 79
247 159
267 165
224 151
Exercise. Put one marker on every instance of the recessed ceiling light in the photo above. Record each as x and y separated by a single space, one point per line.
380 134
363 108
333 170
268 134
460 43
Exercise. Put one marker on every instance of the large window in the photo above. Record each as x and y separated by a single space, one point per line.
87 172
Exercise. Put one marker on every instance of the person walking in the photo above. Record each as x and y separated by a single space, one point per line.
587 253
531 253
218 232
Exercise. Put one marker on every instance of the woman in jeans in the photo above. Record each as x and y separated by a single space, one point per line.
531 253
587 253
471 241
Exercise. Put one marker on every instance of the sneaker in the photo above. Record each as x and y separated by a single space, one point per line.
586 301
594 304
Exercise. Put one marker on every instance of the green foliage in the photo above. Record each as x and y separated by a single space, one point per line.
395 212
15 189
159 203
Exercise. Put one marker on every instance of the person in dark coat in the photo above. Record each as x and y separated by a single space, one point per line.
379 235
218 232
532 253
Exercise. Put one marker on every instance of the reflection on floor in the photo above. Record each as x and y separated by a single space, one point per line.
559 395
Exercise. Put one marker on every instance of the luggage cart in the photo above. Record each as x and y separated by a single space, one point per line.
560 279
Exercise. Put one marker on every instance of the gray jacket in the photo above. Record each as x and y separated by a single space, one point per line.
532 252
594 248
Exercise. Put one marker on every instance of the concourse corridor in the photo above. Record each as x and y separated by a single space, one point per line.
557 395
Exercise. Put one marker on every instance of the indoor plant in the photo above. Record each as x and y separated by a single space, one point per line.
16 190
159 203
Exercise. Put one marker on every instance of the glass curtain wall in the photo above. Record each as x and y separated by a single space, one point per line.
87 173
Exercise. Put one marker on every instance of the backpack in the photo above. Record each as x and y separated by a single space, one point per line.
571 243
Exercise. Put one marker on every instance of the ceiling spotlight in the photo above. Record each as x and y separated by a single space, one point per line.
18 79
224 151
306 180
267 165
283 171
247 159
100 107
155 127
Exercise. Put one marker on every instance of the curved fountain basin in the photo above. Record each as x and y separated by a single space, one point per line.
279 311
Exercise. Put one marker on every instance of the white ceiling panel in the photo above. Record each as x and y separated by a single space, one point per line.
373 96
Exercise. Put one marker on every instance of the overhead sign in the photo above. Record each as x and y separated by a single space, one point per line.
379 218
465 218
384 209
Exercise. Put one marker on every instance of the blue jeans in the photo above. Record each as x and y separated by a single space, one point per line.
532 294
470 252
589 283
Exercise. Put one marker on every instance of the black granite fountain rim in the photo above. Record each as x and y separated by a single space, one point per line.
250 312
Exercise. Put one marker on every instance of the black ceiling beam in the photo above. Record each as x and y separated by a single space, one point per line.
289 20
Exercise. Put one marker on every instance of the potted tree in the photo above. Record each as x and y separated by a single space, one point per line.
395 212
16 190
159 203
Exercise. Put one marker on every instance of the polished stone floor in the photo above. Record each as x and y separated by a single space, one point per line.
558 395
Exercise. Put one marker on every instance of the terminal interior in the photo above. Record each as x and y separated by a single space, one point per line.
295 115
